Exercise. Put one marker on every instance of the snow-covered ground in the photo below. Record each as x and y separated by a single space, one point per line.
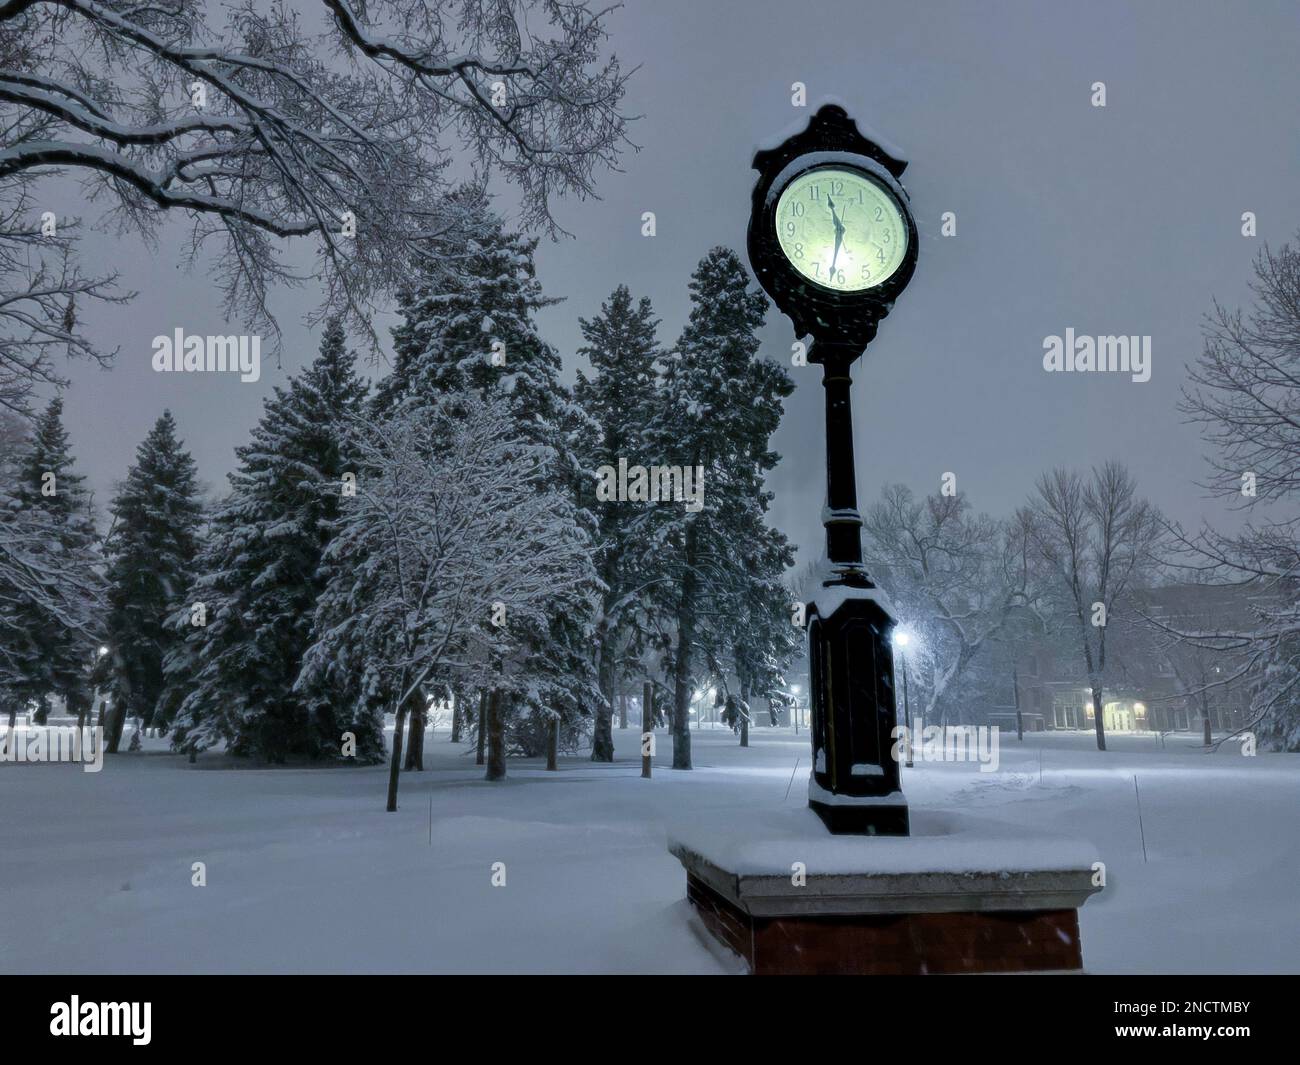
306 872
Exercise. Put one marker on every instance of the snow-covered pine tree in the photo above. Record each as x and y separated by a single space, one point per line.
721 403
260 576
763 639
51 611
157 515
618 399
476 331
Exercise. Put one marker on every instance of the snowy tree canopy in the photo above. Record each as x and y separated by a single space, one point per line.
260 127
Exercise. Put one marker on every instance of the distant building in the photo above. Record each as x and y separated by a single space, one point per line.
1154 683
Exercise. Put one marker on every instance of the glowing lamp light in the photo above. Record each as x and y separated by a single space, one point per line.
901 638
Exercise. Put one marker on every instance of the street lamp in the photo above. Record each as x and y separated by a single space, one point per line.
832 240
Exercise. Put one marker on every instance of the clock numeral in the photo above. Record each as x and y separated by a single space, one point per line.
866 273
789 228
880 214
837 276
814 192
837 188
798 251
880 255
884 239
796 208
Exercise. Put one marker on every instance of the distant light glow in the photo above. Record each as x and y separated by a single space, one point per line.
901 637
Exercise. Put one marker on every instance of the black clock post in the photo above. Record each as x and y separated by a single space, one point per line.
833 242
854 786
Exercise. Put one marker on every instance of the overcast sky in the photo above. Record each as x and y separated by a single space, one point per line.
1116 220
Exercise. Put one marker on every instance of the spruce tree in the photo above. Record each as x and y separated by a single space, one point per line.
52 613
721 403
618 398
157 515
260 577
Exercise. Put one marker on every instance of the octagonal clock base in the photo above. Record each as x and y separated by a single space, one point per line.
854 787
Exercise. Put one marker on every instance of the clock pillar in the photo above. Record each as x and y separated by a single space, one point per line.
841 520
854 784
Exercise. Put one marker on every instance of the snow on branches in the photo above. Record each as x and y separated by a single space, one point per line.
456 543
260 128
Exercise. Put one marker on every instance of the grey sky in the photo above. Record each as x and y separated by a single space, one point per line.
1123 219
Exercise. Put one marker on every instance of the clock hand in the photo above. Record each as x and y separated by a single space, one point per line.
839 231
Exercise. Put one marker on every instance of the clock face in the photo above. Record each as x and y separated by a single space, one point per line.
840 229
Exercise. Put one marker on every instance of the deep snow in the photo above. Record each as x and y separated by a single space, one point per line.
306 872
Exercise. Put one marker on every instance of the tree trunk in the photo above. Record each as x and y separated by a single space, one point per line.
685 649
10 738
457 715
602 736
744 716
483 698
1097 719
395 763
647 728
496 764
553 745
78 703
415 737
1208 734
1020 719
117 722
622 706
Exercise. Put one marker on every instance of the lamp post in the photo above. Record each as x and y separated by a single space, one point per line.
833 242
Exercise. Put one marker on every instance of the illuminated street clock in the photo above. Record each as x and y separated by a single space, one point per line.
832 241
831 236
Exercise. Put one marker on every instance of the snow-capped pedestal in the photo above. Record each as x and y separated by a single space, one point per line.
957 896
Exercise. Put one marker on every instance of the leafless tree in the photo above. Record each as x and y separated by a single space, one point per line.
260 129
1098 540
1245 392
42 297
958 577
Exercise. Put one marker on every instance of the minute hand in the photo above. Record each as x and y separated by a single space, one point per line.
839 231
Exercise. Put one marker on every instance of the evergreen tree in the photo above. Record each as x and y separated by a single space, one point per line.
763 638
622 347
50 610
721 403
157 515
476 332
260 577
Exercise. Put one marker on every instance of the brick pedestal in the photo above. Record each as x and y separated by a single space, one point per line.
804 902
892 944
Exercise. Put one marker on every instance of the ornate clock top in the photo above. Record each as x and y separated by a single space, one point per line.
831 236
